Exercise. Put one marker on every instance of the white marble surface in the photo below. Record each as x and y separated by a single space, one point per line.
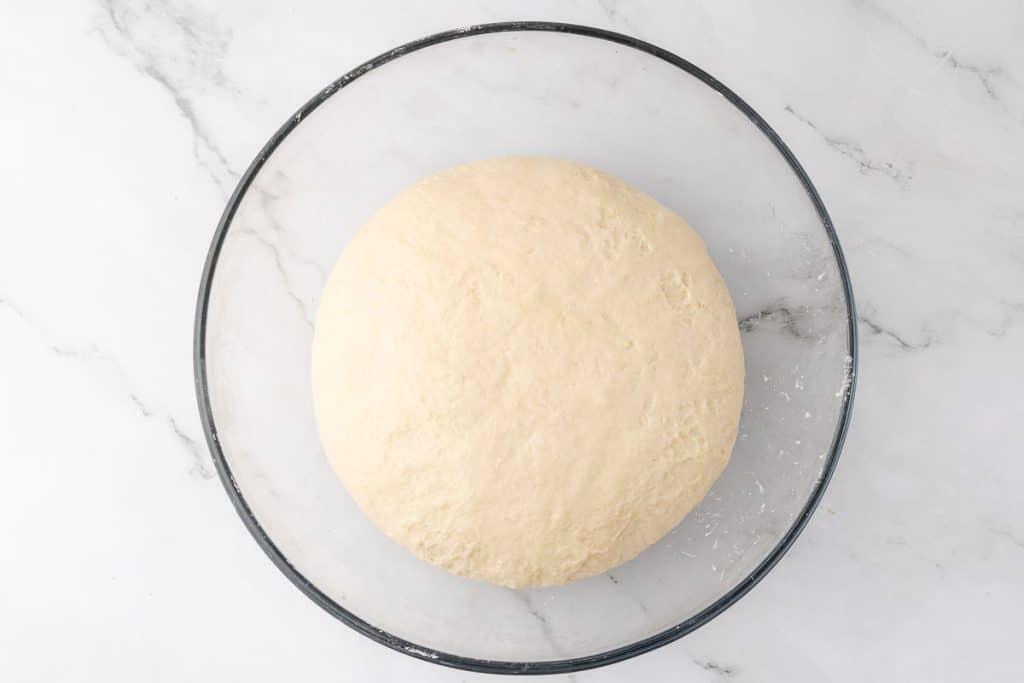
128 123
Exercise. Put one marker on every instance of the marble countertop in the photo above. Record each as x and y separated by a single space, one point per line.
128 124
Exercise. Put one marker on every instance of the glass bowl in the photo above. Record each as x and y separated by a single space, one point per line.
526 88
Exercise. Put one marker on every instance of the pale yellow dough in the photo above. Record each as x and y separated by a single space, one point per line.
526 371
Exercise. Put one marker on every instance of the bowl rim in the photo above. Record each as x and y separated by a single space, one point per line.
446 658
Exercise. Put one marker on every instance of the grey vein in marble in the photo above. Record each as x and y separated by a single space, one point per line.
787 318
275 254
542 621
1008 535
635 600
984 75
199 466
877 330
720 670
267 199
1011 309
202 44
279 250
93 354
854 151
789 321
9 305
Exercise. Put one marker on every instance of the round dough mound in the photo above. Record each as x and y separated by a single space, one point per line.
526 371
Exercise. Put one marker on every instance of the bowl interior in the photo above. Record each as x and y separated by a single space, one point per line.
525 93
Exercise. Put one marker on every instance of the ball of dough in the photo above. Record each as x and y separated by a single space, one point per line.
526 371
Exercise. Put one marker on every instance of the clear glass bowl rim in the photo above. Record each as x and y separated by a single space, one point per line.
445 658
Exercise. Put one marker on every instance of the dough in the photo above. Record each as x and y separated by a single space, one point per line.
526 371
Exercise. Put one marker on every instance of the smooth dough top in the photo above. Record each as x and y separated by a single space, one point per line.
526 371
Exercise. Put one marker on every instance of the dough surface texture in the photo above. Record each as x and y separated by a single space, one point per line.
526 371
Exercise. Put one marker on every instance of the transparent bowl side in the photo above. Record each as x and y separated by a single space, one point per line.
546 94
